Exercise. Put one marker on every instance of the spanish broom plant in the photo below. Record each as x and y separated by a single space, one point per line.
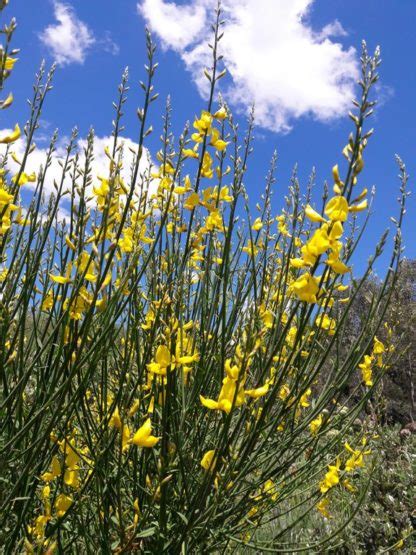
170 363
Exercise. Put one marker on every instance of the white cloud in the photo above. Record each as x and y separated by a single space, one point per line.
273 56
176 25
108 45
100 165
333 29
69 39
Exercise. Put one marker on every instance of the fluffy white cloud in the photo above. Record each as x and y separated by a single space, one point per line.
69 39
100 165
273 55
185 22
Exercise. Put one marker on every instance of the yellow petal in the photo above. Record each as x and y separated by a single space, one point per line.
150 441
209 403
7 102
312 214
257 224
220 114
206 461
335 174
258 392
60 279
163 356
12 137
359 207
9 63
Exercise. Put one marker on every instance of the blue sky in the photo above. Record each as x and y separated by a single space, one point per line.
113 34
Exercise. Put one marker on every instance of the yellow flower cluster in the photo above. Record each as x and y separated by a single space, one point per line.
179 351
65 468
366 366
325 240
7 206
232 393
141 438
333 476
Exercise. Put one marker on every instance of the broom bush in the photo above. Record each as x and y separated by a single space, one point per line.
170 363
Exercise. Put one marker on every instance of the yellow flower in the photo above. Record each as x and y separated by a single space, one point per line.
69 243
298 263
322 507
62 504
188 359
284 392
40 525
282 225
63 279
214 221
257 224
226 397
24 178
71 478
115 420
318 244
224 194
306 288
54 471
357 458
348 486
331 478
126 243
143 437
192 201
102 192
315 425
337 265
220 114
134 408
11 137
326 323
216 142
206 461
304 400
5 197
251 248
86 266
378 350
60 279
125 437
232 371
197 137
207 169
72 457
80 304
162 361
190 153
9 63
398 545
267 317
341 288
337 209
270 488
203 124
366 370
